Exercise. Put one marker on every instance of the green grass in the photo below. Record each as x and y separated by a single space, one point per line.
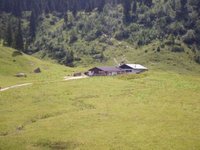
11 64
157 110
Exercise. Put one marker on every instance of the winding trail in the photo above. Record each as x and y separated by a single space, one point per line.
15 86
27 84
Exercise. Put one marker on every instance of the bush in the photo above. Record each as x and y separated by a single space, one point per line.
122 35
162 45
73 38
69 59
52 22
90 37
104 39
59 54
177 49
176 28
189 37
197 59
134 27
16 53
170 40
158 49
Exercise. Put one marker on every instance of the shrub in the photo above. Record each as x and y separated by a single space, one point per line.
170 40
197 59
73 38
189 37
122 35
59 54
158 49
162 45
52 22
90 37
176 28
134 27
177 49
16 53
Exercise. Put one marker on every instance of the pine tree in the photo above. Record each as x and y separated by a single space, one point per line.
66 17
184 10
148 2
19 43
8 35
17 8
69 58
101 5
32 25
134 7
181 9
127 8
134 11
74 8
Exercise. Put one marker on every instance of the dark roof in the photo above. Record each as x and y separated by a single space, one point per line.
108 69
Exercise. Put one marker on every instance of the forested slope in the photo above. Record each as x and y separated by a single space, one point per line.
78 31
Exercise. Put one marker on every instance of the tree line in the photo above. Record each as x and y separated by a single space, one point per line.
142 21
16 7
14 39
37 7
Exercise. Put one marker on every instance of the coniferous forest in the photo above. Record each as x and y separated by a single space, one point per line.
68 30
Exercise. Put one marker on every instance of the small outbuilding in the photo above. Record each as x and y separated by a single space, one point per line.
104 71
133 68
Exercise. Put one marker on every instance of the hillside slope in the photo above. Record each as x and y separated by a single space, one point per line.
13 62
158 110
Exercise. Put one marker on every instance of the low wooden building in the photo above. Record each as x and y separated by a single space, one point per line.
104 71
111 70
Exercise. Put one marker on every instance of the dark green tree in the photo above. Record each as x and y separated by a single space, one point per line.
69 58
101 5
8 35
17 8
66 17
127 8
134 7
181 9
134 11
19 43
74 9
32 25
148 2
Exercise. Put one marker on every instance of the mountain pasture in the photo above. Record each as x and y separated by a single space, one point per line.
156 110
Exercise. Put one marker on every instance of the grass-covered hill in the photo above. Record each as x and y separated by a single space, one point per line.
157 110
76 33
13 62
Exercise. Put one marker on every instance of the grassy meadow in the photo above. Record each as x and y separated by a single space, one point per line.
158 110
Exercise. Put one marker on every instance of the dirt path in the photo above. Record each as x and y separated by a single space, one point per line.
15 86
27 84
75 78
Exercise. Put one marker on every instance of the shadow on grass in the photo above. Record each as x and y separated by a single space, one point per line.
57 144
16 53
132 76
